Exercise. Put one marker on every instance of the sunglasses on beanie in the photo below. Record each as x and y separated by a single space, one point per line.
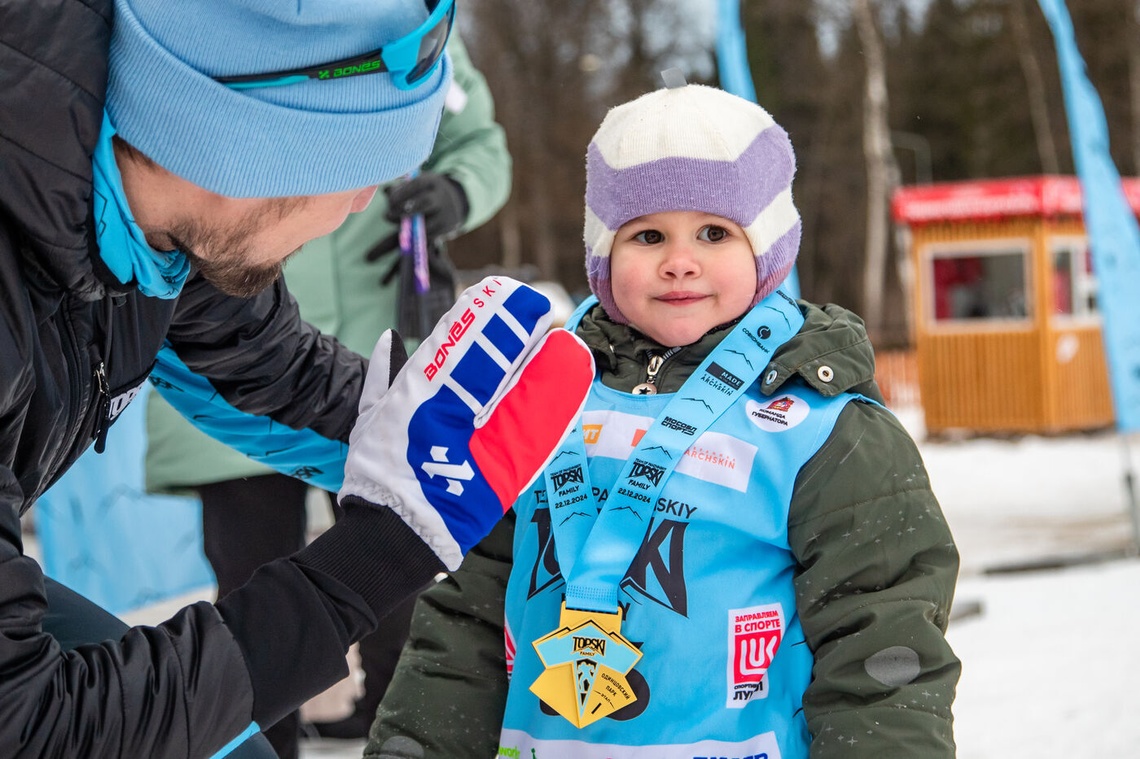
410 59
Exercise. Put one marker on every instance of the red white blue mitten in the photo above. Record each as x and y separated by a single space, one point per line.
471 419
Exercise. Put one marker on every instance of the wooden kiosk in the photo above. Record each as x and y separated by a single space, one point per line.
1006 324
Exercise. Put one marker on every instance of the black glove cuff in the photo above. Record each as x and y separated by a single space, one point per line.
373 551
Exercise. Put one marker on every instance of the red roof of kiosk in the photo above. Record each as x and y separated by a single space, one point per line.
992 199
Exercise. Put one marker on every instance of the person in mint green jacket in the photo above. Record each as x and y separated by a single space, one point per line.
352 284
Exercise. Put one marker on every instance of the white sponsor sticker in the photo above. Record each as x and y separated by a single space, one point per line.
714 457
777 414
611 434
720 459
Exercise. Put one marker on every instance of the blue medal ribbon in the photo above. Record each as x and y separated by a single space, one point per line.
596 546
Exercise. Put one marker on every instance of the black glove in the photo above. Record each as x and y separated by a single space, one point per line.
437 196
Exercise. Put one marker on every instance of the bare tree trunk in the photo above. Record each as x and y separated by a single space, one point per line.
545 244
511 237
1134 83
882 173
1035 88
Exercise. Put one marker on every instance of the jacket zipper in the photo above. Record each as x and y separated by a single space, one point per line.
104 412
649 387
103 418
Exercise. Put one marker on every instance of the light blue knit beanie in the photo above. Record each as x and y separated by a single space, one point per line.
309 138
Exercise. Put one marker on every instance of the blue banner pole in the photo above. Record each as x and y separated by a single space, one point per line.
1114 236
731 52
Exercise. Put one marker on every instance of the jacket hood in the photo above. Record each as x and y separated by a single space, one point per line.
45 154
831 352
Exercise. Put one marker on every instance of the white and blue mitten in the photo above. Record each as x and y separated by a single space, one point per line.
471 419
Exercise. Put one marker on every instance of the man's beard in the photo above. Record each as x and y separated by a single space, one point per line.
233 276
229 251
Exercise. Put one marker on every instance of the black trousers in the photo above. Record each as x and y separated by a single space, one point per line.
74 621
251 521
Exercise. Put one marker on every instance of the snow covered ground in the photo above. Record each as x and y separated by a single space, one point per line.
331 749
1044 529
1049 666
1046 616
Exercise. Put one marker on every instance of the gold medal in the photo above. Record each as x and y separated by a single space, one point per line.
586 661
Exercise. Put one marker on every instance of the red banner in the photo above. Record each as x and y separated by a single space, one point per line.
992 199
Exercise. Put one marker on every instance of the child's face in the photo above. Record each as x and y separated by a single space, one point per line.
677 274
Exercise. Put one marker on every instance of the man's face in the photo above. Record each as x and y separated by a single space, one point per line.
241 244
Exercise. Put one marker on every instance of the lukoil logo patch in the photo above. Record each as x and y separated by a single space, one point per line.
778 414
754 636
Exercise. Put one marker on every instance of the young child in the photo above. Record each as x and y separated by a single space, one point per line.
737 554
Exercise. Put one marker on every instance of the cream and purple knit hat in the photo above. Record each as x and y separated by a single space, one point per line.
691 148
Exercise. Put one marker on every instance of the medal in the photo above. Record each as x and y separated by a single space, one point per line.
586 661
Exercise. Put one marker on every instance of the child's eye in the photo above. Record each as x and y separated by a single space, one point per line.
712 233
649 237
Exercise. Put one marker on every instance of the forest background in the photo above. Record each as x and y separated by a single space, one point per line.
874 93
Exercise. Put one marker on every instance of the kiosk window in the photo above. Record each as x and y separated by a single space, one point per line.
1074 284
980 285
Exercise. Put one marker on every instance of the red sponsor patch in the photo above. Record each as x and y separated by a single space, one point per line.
754 636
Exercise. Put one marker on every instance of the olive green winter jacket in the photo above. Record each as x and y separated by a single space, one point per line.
338 291
873 597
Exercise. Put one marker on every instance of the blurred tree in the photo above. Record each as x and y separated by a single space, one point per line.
882 170
1106 34
813 97
975 80
554 69
538 60
1035 87
1133 43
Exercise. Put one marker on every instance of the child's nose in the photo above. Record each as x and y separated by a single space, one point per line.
679 260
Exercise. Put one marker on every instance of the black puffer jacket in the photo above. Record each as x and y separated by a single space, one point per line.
73 345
